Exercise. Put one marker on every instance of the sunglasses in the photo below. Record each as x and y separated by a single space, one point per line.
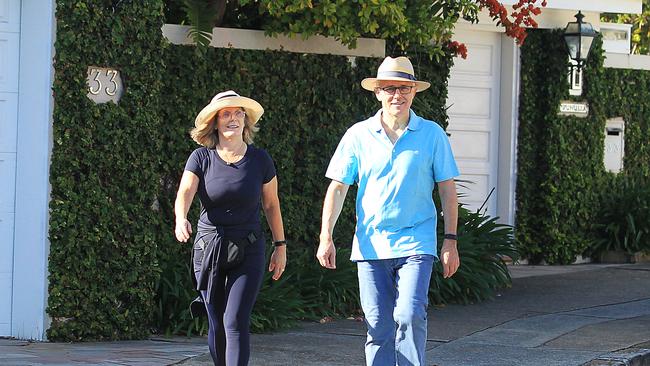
403 89
239 114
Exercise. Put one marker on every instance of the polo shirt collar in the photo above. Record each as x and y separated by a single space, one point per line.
414 121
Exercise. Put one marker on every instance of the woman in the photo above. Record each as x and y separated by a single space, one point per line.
232 178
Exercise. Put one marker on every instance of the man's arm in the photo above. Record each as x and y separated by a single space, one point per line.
332 206
449 252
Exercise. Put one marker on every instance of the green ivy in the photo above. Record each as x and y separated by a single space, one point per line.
561 177
104 227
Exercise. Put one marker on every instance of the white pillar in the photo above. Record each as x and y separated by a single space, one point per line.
507 176
34 146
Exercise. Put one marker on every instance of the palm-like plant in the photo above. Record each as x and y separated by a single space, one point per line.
482 245
202 16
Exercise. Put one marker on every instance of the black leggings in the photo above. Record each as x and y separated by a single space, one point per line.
229 314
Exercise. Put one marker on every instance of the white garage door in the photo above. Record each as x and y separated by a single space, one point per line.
9 48
473 102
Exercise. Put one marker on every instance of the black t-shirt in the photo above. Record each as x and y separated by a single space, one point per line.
230 194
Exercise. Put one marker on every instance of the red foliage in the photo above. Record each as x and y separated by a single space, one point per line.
514 23
457 48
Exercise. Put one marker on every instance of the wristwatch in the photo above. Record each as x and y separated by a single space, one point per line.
451 237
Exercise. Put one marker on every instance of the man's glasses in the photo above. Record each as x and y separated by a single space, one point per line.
403 89
227 114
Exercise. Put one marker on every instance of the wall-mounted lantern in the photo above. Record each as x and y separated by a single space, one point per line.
579 37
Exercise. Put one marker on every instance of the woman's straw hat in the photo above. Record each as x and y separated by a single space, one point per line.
226 99
397 69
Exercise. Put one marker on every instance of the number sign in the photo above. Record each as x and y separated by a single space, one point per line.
104 85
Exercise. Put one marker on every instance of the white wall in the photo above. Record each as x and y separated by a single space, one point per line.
600 6
620 61
248 39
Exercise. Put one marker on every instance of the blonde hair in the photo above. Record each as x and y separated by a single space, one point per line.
206 134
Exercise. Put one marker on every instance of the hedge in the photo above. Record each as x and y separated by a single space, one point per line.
561 180
105 229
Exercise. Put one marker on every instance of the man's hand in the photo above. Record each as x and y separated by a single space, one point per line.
449 257
326 254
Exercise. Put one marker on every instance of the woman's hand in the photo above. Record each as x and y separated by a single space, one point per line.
278 261
186 191
183 230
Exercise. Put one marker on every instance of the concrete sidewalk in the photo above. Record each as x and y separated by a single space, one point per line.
553 315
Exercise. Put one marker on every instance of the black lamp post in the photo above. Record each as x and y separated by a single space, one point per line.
578 37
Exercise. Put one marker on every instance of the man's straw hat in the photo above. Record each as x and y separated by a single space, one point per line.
397 69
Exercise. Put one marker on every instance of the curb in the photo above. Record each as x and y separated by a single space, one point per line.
627 357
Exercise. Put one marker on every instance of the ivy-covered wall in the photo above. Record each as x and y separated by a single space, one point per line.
105 230
116 271
561 178
628 96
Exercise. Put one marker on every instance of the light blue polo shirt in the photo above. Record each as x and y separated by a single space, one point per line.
396 216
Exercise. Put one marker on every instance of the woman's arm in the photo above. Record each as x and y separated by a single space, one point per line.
271 206
186 191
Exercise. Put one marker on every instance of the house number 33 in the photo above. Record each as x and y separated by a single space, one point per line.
104 84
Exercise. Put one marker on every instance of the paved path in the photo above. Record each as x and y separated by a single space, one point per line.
592 315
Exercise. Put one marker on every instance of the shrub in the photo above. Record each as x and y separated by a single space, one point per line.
624 219
482 245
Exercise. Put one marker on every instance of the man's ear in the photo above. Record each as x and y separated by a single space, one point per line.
376 91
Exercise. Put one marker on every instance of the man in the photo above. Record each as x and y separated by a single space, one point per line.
395 158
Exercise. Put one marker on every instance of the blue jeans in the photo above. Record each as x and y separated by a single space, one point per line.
394 299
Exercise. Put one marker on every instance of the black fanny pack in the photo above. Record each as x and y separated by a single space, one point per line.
231 254
235 250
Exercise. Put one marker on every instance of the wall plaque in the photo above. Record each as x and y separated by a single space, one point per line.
578 109
104 85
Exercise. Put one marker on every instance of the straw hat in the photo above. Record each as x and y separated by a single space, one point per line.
397 69
226 99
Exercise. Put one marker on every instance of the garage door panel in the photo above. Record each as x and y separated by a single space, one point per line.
8 121
5 304
471 80
6 244
9 15
478 64
469 124
471 145
7 182
9 62
6 269
475 167
469 102
473 189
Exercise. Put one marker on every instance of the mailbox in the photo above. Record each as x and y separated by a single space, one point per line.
614 144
